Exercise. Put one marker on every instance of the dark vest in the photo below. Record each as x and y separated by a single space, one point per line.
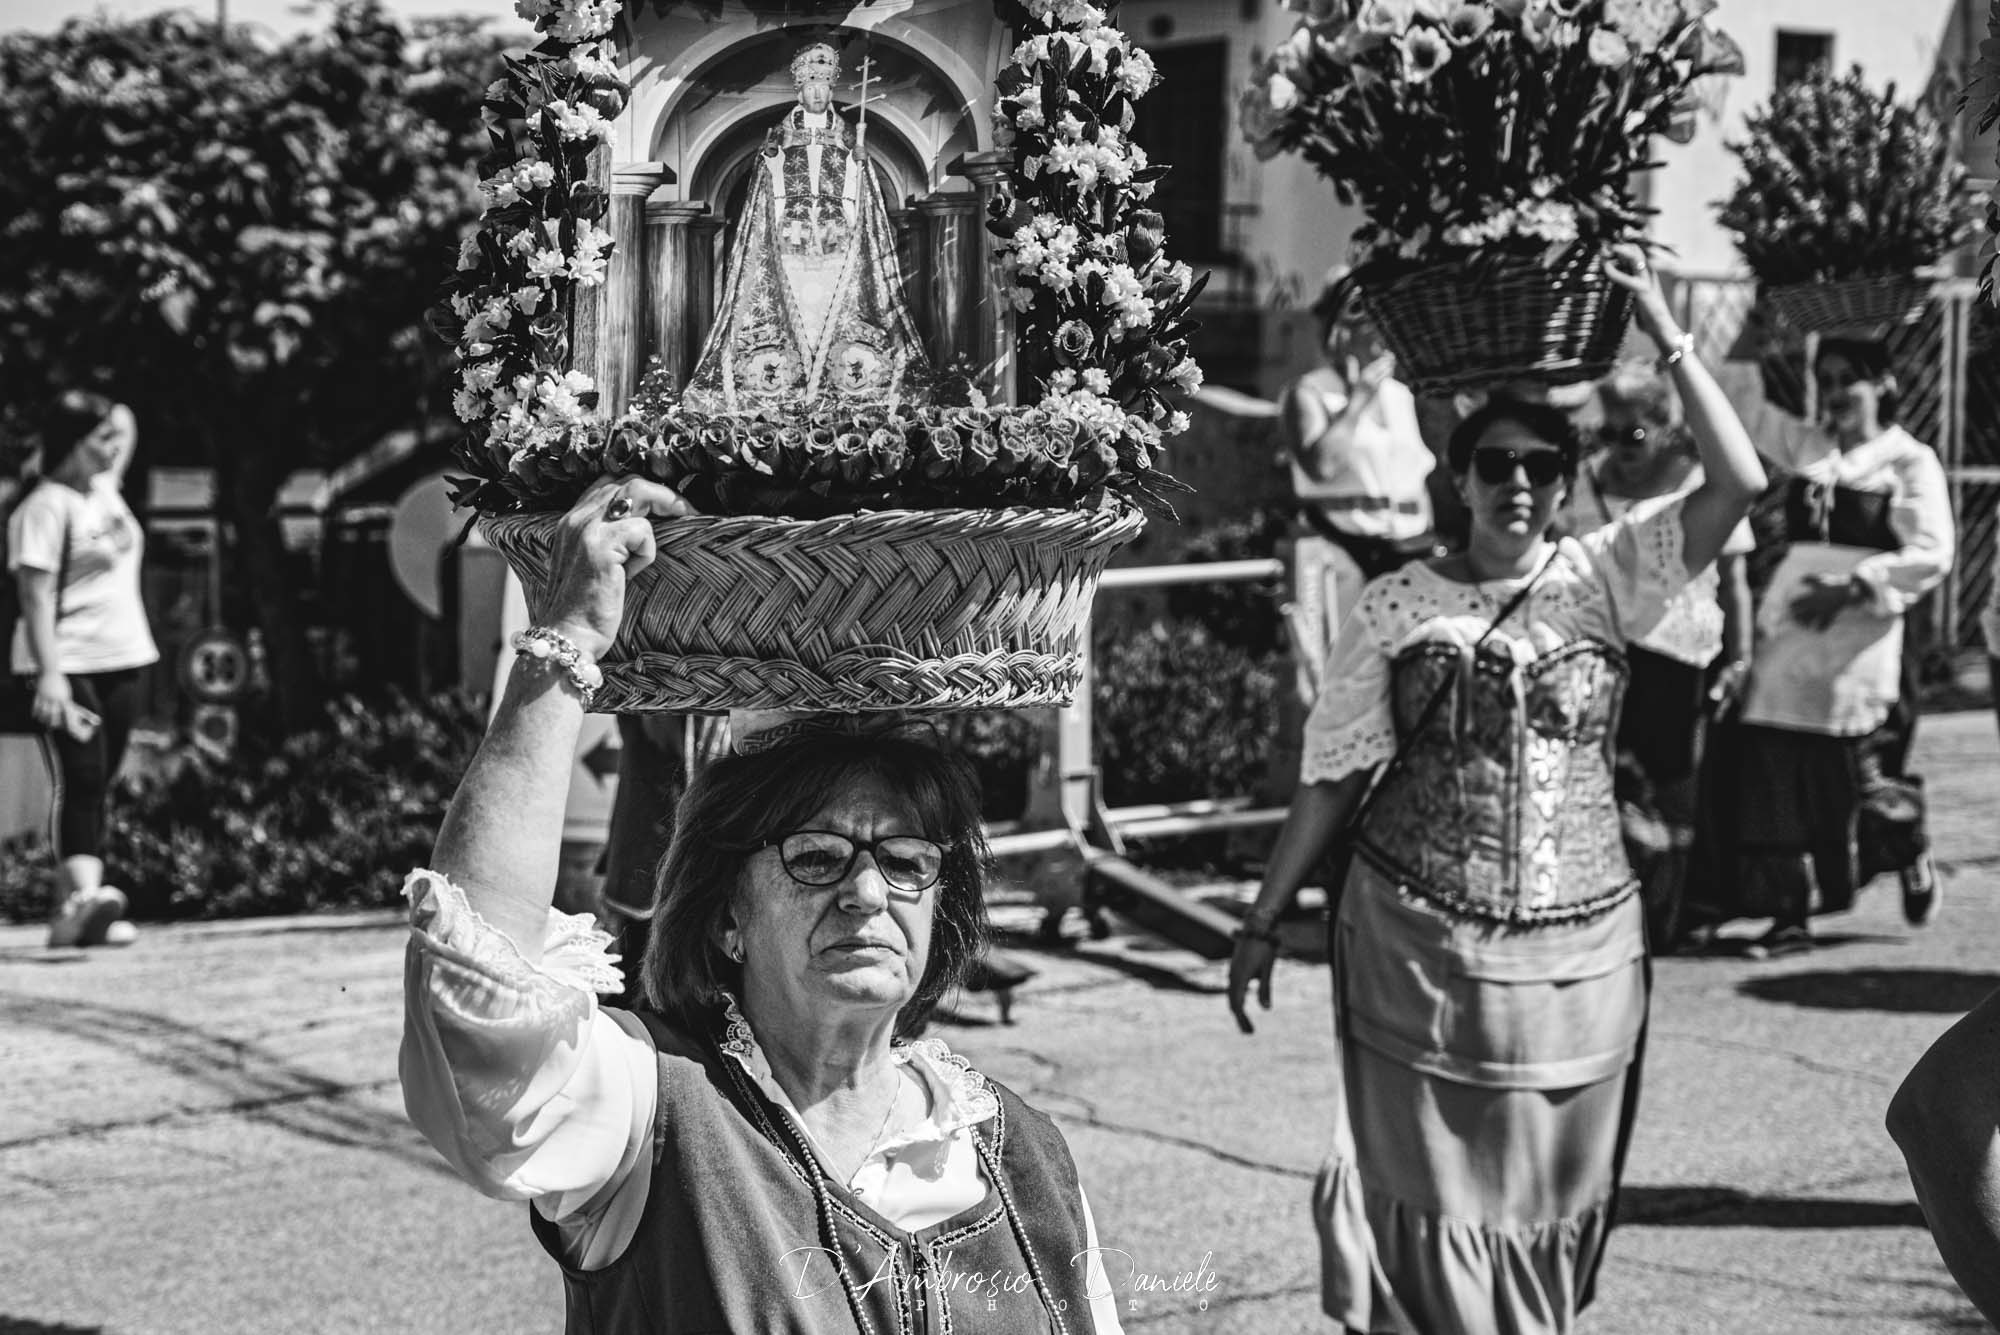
742 1233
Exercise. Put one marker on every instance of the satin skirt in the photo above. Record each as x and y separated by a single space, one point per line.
1487 1078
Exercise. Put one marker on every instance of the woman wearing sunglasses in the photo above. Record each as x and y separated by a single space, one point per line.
1488 941
769 1145
1689 666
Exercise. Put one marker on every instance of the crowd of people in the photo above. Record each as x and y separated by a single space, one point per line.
1509 787
1762 751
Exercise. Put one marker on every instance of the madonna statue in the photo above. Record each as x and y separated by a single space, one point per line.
811 313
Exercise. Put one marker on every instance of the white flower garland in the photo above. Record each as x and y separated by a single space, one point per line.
1106 294
1120 304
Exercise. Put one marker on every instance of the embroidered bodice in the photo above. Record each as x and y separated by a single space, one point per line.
1502 806
1502 809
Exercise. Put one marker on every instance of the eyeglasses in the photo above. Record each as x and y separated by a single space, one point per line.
824 857
1608 436
1495 466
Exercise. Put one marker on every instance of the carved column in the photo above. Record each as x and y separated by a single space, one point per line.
589 310
621 355
951 291
671 284
992 344
704 270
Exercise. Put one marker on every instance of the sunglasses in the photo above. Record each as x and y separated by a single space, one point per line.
821 858
1494 466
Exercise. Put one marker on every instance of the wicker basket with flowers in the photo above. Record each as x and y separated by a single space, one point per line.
929 551
1491 145
1848 196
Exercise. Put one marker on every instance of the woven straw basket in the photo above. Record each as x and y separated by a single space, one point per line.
1453 326
1853 304
896 609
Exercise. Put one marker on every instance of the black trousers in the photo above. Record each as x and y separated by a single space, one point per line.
87 768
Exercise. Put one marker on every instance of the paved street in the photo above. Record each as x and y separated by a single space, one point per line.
204 1134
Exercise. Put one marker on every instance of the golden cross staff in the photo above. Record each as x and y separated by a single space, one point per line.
861 131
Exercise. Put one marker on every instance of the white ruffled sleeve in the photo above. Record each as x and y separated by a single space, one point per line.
1639 562
510 1069
1350 727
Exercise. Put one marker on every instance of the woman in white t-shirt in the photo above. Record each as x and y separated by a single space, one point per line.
74 549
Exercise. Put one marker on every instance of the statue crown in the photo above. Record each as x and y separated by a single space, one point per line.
818 61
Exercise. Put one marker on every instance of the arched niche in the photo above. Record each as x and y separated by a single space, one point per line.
935 117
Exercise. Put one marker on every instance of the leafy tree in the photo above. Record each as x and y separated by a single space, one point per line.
239 239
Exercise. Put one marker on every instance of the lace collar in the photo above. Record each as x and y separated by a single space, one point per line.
961 1097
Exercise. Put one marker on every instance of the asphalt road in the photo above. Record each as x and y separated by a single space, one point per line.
204 1133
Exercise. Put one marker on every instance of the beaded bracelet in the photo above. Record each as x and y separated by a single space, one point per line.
556 649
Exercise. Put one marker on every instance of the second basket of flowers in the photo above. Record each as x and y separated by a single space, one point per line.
1849 199
1491 145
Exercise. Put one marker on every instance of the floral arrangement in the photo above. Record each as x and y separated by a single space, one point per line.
1470 127
816 464
1841 181
1103 313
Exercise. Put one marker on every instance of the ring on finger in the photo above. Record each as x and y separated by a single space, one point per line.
621 505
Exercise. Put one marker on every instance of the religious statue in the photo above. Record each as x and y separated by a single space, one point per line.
811 313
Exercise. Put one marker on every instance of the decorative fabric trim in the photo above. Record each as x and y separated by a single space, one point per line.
576 953
1414 889
968 1096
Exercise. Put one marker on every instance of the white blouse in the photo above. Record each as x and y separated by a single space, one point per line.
1691 630
1613 585
1841 680
532 1091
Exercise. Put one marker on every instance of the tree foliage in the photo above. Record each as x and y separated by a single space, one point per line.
239 239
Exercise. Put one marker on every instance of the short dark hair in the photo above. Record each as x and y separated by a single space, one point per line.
1544 420
74 414
1870 357
737 803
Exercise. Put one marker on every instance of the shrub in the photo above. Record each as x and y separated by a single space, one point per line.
1244 616
1182 714
331 818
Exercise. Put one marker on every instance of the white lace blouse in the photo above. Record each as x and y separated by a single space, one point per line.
1613 584
1691 630
532 1091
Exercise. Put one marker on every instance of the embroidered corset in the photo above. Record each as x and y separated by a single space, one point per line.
1502 808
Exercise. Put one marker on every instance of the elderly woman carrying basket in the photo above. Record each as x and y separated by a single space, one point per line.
771 1147
1488 944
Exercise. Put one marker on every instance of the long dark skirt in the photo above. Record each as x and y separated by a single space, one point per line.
1802 821
1662 737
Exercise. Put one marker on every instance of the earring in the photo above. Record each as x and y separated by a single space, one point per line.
734 950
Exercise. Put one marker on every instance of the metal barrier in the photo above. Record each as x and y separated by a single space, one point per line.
1067 813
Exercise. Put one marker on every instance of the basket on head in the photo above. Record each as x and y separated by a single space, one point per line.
893 609
1503 317
1850 303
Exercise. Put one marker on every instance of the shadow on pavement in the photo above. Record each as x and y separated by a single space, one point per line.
1727 1207
1901 991
255 1084
21 1325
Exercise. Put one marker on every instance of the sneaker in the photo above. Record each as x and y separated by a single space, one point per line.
1780 941
1923 892
86 917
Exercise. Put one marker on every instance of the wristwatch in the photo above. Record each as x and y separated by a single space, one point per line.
1259 925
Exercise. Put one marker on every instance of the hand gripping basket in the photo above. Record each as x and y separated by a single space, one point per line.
1502 317
1856 305
894 609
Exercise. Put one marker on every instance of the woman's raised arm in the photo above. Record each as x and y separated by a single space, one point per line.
502 838
1732 475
